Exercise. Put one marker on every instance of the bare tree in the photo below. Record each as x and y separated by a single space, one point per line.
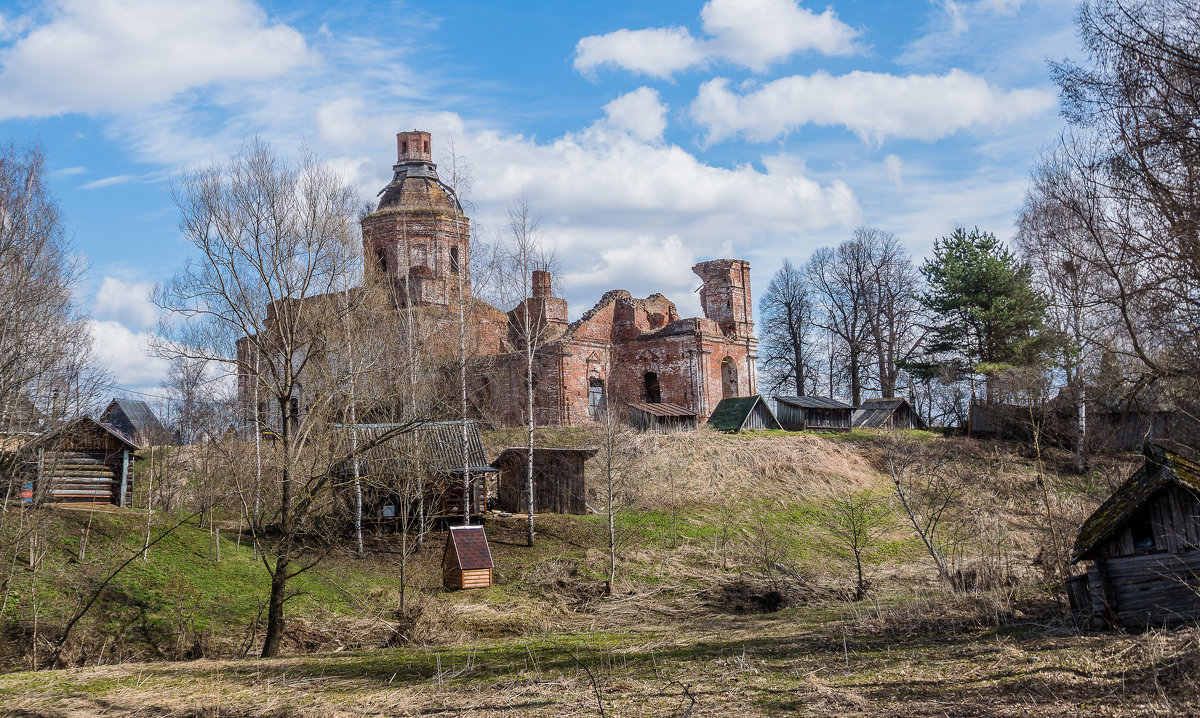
853 523
274 241
893 311
786 311
524 254
615 462
840 278
926 487
1126 175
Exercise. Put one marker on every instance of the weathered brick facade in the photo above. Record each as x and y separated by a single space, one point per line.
621 350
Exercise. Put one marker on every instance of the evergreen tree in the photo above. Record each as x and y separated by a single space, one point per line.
984 306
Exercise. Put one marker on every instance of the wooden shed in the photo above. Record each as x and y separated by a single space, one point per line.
1143 544
813 413
661 418
558 483
743 413
82 461
467 560
895 413
394 453
136 420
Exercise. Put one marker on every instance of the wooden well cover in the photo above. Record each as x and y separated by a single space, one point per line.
467 562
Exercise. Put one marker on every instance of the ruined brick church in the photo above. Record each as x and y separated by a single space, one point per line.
624 350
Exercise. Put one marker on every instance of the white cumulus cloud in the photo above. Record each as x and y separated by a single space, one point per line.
873 105
126 353
749 33
640 113
125 302
113 55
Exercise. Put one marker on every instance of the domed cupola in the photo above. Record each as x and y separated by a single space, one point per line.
418 238
415 184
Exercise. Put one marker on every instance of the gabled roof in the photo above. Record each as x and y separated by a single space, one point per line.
731 414
812 402
874 413
468 546
139 415
1161 468
662 409
82 423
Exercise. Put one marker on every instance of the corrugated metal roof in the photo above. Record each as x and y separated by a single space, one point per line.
1162 467
470 547
662 409
139 415
813 402
731 414
874 413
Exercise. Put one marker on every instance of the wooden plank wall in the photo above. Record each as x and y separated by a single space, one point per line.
1174 522
1146 590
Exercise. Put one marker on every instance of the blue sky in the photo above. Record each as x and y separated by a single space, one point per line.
648 136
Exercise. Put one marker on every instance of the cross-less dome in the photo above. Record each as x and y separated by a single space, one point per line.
415 184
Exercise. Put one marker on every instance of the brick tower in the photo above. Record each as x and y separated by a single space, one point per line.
418 237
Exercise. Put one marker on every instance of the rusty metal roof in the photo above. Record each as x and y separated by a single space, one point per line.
469 547
1161 468
662 409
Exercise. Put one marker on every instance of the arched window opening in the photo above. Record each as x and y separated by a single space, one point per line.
403 147
595 397
653 394
426 146
729 379
381 259
454 260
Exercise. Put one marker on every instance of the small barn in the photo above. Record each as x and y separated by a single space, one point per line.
82 461
813 413
660 418
557 479
136 421
467 560
894 413
743 413
1143 544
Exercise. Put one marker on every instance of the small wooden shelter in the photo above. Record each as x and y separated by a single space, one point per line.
467 560
82 461
1144 547
558 479
136 420
432 449
813 413
894 413
661 418
743 413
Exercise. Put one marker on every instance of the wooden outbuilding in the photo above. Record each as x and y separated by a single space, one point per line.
743 413
558 480
813 413
661 418
82 461
467 560
894 413
1144 547
136 420
392 455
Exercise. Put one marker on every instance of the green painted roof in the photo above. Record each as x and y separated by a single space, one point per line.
1162 468
731 414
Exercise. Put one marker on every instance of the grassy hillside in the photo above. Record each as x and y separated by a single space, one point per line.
727 594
